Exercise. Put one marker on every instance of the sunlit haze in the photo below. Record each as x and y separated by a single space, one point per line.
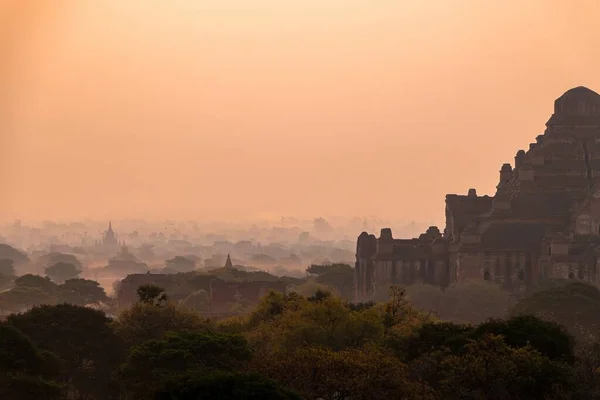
235 109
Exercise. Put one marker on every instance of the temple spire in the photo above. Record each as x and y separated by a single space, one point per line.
228 263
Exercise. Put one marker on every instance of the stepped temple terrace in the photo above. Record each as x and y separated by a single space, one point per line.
543 221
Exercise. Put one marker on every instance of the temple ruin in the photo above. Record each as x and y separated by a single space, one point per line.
543 221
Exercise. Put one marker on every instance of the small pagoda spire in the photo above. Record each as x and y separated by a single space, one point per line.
228 263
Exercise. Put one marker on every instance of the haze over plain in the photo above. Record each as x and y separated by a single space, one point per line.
197 109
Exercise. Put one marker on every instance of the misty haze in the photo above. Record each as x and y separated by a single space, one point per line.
320 200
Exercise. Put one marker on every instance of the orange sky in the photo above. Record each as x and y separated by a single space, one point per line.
222 109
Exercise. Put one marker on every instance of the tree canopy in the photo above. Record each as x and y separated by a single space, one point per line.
317 346
62 271
87 347
25 371
575 305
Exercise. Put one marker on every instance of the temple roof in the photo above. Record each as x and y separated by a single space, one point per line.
579 91
577 106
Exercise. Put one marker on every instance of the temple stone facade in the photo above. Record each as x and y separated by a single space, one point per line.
543 221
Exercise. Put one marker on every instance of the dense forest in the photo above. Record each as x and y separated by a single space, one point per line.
292 346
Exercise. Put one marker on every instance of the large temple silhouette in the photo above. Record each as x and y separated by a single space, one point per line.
543 221
109 241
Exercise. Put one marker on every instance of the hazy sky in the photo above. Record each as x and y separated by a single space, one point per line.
247 108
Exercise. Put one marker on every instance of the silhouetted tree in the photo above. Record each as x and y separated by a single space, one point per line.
62 271
82 339
7 268
151 294
25 371
180 264
81 292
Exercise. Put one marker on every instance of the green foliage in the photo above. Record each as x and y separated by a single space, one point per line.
400 316
548 338
224 386
337 276
575 306
144 321
25 371
151 294
488 368
81 338
149 365
318 345
24 297
81 292
587 371
33 290
310 287
323 373
236 324
62 271
430 337
285 322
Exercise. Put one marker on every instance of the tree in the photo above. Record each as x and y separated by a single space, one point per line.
198 301
549 339
9 252
144 321
25 371
54 257
82 338
575 305
62 271
430 337
587 371
30 290
149 365
7 273
22 298
224 386
81 292
7 268
181 264
490 369
321 373
289 321
400 316
36 281
338 276
151 294
310 287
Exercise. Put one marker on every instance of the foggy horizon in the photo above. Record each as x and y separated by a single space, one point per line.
214 110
